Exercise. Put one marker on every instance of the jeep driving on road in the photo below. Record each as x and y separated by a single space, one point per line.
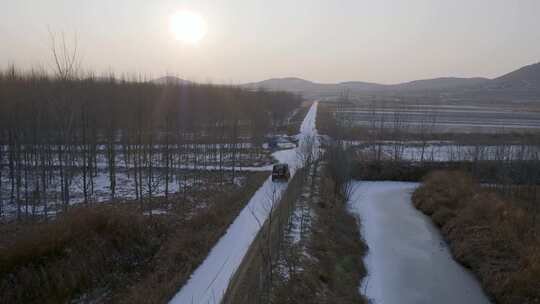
281 172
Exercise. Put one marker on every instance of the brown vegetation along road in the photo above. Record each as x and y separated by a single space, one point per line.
498 239
331 267
309 252
210 280
251 282
113 253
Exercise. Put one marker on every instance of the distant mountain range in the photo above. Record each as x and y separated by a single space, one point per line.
170 80
301 85
520 85
526 77
525 81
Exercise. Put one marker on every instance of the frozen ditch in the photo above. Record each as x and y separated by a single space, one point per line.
210 280
407 261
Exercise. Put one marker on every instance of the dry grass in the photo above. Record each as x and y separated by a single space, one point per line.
495 238
326 122
113 254
83 249
250 283
187 246
293 127
334 272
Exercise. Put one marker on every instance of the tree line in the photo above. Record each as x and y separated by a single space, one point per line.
59 131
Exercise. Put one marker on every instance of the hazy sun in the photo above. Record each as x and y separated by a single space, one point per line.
188 26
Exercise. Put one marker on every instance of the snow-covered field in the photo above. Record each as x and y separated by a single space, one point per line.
407 261
100 191
199 157
210 280
451 152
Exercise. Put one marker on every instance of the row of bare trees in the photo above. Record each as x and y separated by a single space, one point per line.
64 134
285 246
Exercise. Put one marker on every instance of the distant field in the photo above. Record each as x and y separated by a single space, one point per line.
444 118
444 152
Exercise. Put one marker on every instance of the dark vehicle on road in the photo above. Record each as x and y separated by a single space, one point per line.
281 172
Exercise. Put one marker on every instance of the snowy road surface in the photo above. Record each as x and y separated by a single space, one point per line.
210 280
407 261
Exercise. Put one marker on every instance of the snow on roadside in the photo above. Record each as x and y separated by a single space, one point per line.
294 251
210 280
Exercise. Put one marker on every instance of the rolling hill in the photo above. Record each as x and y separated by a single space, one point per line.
523 83
523 78
299 85
436 84
170 80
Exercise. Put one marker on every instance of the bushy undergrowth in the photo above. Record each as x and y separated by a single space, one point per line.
335 270
113 254
326 122
496 238
516 173
295 122
188 245
83 249
252 281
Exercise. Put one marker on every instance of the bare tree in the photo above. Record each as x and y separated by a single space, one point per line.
306 152
65 56
64 133
339 169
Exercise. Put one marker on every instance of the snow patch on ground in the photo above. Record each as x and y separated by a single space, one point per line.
156 212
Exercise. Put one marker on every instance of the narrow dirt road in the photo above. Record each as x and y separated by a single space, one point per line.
210 280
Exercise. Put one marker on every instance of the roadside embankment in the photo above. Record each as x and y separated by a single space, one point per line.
310 252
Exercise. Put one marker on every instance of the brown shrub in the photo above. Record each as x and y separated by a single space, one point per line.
295 122
442 215
495 238
54 262
525 281
443 188
113 254
336 270
187 247
326 122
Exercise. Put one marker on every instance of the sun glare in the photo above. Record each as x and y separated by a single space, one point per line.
188 26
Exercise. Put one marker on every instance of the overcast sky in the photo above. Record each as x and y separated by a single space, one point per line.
385 41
